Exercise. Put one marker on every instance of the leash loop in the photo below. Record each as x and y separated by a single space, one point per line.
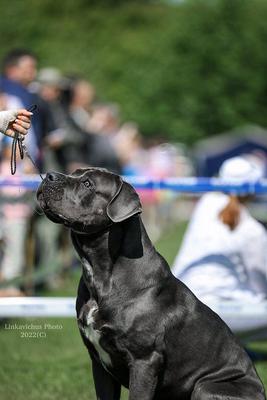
18 143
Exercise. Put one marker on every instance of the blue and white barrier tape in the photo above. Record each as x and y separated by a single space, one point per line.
183 185
241 317
26 307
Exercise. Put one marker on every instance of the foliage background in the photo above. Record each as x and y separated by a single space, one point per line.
184 71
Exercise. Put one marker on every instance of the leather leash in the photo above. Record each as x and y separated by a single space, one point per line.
18 142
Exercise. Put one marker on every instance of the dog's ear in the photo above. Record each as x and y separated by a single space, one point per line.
124 204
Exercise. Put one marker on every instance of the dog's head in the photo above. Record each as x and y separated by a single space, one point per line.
87 200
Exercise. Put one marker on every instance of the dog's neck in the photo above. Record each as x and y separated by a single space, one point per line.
100 254
96 263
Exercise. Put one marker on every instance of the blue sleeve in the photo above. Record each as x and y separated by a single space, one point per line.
7 141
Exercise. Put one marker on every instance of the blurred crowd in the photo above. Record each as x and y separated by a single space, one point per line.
71 128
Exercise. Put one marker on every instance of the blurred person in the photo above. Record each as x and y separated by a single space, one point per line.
64 152
19 68
65 145
15 217
129 148
224 252
100 149
105 119
15 214
161 164
81 97
20 65
10 122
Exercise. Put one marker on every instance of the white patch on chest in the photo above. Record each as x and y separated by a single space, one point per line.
93 335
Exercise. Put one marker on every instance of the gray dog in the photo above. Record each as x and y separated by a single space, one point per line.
143 328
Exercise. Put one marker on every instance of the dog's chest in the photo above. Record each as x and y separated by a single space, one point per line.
94 335
89 319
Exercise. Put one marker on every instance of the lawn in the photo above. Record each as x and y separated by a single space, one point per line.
57 366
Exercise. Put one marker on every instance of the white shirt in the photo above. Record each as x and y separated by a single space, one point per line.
207 236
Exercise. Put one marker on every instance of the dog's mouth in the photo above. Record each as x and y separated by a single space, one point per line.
46 196
40 198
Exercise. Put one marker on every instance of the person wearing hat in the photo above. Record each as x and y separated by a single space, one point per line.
224 251
15 121
65 146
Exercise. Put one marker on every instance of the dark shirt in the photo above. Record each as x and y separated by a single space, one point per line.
42 122
101 153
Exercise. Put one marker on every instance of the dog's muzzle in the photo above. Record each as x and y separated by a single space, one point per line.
52 187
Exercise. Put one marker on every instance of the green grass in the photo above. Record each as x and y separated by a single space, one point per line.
58 367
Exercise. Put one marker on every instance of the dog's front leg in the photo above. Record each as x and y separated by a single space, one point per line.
105 385
144 377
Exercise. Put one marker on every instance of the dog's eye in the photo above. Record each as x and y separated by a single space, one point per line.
87 184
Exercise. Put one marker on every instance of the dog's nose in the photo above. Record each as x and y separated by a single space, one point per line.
52 176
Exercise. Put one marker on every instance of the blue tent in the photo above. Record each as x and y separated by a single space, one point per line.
210 153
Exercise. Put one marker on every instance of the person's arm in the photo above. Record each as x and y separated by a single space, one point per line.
15 121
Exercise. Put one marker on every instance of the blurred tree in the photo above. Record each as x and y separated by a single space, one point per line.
223 64
184 71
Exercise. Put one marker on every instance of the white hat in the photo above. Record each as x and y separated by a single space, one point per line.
241 168
53 77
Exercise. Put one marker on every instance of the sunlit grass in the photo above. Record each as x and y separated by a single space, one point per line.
57 366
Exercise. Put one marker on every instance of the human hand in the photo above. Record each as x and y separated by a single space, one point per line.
17 121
